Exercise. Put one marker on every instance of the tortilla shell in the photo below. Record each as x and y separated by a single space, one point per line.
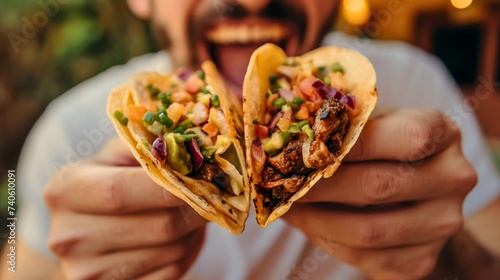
361 79
204 197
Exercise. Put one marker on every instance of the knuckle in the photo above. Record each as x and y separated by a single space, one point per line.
378 185
465 178
174 271
419 134
63 246
454 224
112 195
424 266
52 194
165 226
369 235
353 257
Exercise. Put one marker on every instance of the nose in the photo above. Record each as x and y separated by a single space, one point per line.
254 6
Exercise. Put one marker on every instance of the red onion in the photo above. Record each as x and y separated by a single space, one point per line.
274 120
258 155
159 149
286 94
184 73
328 92
194 151
349 100
323 89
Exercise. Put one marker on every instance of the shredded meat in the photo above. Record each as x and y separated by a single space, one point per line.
290 159
273 179
211 172
330 118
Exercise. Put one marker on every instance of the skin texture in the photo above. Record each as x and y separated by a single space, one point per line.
389 210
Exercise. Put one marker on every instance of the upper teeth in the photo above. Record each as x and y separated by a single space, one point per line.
225 34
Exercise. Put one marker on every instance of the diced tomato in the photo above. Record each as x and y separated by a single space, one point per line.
210 129
175 111
310 120
306 87
302 113
297 92
261 131
181 97
258 155
200 113
317 100
194 84
135 112
310 106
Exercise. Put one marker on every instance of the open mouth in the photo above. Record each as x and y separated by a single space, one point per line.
231 43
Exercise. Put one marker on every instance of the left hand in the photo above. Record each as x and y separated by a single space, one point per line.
396 199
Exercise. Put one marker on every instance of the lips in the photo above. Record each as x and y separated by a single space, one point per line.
231 43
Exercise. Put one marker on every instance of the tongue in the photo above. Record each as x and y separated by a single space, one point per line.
233 61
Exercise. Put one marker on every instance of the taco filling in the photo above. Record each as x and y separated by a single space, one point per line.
307 115
189 133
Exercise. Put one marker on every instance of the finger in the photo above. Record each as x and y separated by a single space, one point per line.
380 228
382 182
133 263
408 135
77 235
107 189
116 153
176 270
406 262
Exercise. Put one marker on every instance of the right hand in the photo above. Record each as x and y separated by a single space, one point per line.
109 220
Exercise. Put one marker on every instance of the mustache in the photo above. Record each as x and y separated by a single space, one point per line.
219 10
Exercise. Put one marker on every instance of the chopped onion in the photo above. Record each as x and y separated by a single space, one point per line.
306 148
159 149
196 155
274 120
287 94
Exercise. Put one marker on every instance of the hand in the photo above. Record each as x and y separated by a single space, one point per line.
396 199
109 220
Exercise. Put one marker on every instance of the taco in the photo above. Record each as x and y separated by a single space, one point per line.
185 130
302 115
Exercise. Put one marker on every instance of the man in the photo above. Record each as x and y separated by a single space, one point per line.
392 211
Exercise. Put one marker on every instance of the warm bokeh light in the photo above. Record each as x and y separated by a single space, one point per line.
461 4
356 12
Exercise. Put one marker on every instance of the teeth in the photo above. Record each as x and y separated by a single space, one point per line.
242 34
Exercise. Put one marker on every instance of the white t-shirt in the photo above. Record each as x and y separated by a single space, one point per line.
75 126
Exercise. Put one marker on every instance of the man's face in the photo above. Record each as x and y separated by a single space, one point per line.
227 31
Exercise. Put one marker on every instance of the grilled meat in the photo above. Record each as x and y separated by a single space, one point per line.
290 159
211 172
330 118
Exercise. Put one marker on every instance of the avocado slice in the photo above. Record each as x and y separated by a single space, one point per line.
273 145
177 156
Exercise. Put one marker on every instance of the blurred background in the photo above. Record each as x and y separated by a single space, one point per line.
46 50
